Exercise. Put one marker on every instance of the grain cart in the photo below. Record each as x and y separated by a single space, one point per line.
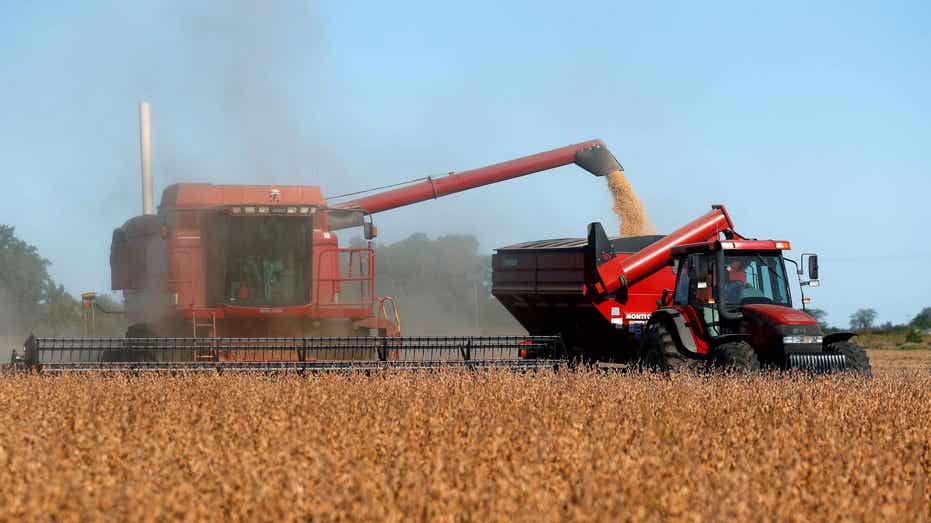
703 294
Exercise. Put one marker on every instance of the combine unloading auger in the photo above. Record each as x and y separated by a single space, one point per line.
593 156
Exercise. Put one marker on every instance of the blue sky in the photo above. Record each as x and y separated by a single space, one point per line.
809 120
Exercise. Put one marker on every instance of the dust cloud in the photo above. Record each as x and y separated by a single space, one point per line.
13 330
628 207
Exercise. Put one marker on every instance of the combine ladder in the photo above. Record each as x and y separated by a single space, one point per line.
211 326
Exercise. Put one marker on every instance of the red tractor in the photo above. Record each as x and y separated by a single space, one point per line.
702 295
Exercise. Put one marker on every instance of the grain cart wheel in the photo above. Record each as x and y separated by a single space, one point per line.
658 351
857 360
734 356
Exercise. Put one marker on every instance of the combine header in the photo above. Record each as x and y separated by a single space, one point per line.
287 354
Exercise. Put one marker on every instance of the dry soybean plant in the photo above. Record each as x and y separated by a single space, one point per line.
465 446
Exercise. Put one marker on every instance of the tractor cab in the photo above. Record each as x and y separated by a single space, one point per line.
720 280
732 306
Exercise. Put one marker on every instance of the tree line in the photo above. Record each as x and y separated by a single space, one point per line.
864 320
442 286
31 301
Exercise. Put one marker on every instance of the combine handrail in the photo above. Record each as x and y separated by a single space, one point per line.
369 278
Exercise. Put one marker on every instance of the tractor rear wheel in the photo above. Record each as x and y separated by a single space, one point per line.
658 352
734 356
857 360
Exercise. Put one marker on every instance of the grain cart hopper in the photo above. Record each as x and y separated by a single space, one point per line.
703 294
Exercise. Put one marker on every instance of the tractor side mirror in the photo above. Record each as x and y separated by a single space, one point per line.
369 231
813 267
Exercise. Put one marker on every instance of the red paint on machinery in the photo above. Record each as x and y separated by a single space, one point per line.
262 260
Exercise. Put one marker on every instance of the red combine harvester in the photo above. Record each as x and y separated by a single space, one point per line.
253 276
264 261
702 295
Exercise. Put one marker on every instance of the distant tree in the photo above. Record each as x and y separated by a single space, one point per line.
862 319
62 313
24 278
922 320
819 315
442 285
29 299
913 335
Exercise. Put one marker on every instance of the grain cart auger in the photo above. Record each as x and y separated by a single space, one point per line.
253 277
702 295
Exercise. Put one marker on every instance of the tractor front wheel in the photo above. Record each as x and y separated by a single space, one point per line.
734 356
857 360
658 351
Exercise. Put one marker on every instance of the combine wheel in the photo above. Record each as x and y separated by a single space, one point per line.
134 332
140 330
857 360
658 351
734 356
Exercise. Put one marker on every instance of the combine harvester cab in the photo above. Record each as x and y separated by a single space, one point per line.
701 296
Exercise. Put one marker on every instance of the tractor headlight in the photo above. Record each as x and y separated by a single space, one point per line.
802 339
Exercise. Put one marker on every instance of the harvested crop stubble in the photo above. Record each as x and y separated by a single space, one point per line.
465 446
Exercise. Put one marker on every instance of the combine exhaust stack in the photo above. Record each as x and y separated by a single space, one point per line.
145 153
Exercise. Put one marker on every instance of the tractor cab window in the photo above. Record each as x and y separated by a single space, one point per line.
702 297
755 278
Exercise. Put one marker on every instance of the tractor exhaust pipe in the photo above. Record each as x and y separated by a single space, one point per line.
145 151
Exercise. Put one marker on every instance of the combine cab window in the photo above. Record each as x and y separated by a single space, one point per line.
267 261
755 278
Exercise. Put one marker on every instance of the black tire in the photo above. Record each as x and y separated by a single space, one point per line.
734 356
140 330
658 352
857 359
136 331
